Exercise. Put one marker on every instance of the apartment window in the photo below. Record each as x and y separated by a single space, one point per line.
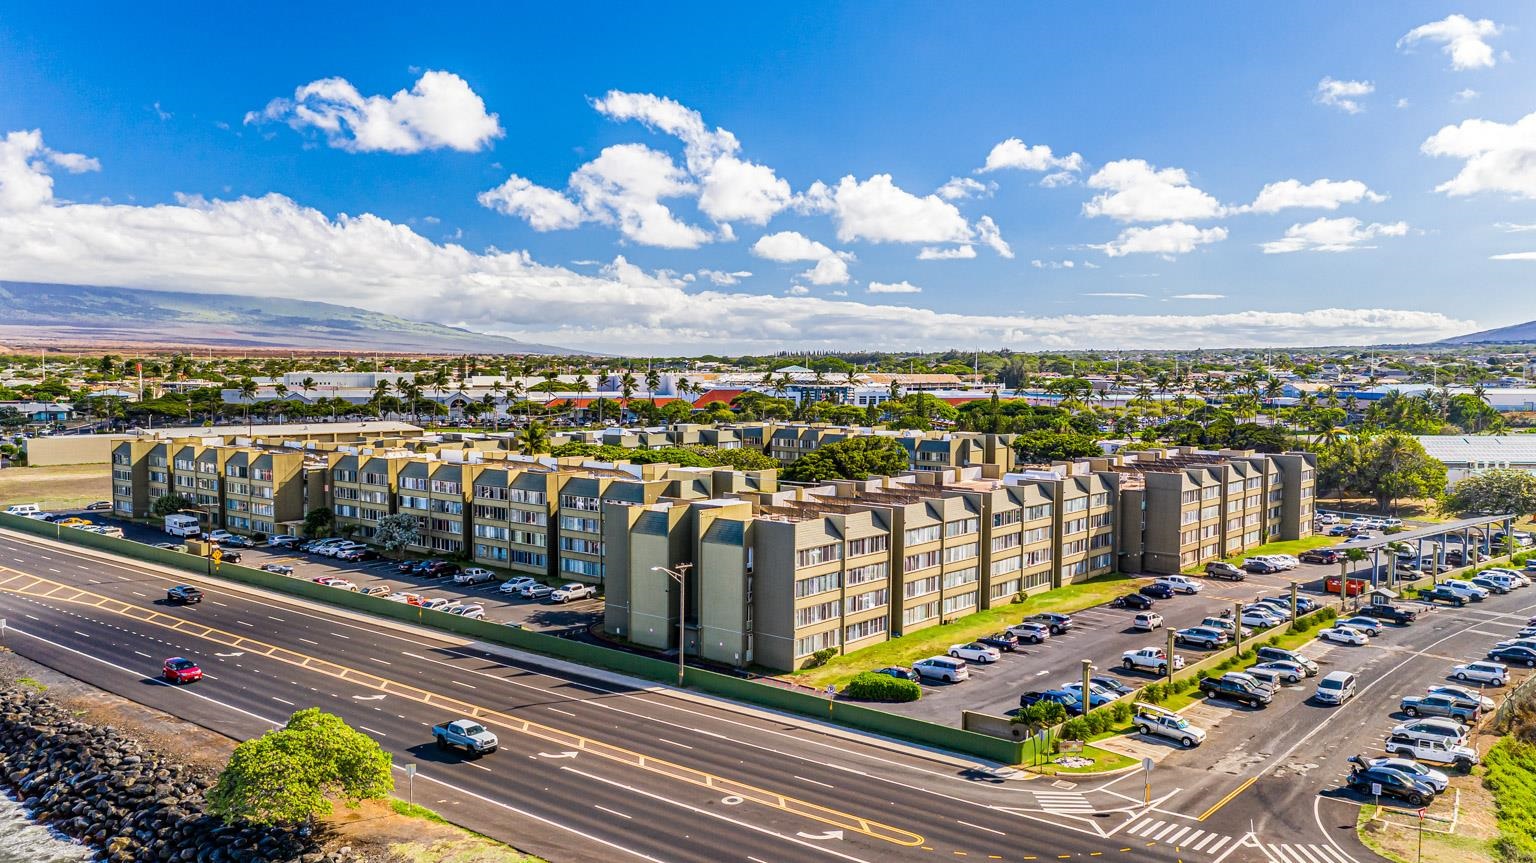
1098 500
576 566
185 464
1191 496
1035 534
812 643
237 471
157 461
491 531
448 507
1189 516
963 602
372 478
577 502
920 613
584 525
813 614
529 558
1038 511
1007 541
920 535
122 491
1253 483
866 601
1210 512
1005 588
1007 517
1210 492
157 476
815 584
379 497
581 546
922 560
1074 569
1007 565
1037 557
262 491
1210 531
124 475
413 483
1189 536
1103 540
446 486
960 577
491 492
443 525
1234 506
956 553
1076 546
345 510
1076 525
921 586
867 573
1209 551
208 467
873 626
124 506
1253 501
868 545
409 501
234 505
523 516
491 552
369 514
1076 504
121 458
237 522
1099 561
450 546
339 493
260 474
819 554
538 539
239 488
961 526
340 475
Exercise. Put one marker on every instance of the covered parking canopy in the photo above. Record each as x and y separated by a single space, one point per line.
1472 532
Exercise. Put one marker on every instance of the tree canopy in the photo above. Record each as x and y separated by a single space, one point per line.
167 504
1047 446
851 458
289 776
1386 467
398 532
1494 492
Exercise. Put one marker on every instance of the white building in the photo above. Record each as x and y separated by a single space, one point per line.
1465 455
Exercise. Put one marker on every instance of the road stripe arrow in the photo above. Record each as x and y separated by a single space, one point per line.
830 834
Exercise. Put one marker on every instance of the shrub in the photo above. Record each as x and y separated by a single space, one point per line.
1247 655
819 658
1202 674
1121 711
1274 641
1075 728
1153 693
1511 777
872 686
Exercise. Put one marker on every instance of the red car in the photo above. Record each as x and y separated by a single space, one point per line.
180 670
1356 586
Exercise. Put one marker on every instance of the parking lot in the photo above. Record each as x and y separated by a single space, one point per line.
499 607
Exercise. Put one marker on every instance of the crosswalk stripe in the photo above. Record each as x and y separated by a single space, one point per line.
1174 838
1146 827
1195 846
1286 854
1307 852
1219 842
1334 853
1164 832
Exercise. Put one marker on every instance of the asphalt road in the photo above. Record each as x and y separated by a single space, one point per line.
589 767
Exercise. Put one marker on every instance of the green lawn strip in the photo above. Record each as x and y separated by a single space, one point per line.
1511 777
412 810
907 649
1288 546
1104 761
1369 839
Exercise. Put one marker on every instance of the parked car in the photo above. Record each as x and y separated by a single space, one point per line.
1149 659
1288 672
279 568
1260 617
227 555
1147 621
945 668
1112 686
1336 688
1074 691
535 591
1433 750
1494 583
1132 600
1444 594
1394 613
1432 728
1034 633
439 569
1393 783
1269 653
474 575
179 669
1224 570
1329 556
1439 705
1235 690
516 584
1357 586
183 594
1366 624
342 584
1259 567
1057 623
572 591
1035 696
899 673
355 554
412 567
1491 673
282 540
1514 654
1180 584
1155 721
1428 775
1259 681
1224 623
975 651
98 506
473 611
1001 641
1462 695
1343 635
375 590
220 536
1467 588
1202 637
1156 590
1304 605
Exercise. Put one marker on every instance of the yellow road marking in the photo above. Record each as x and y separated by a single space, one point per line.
672 770
1228 799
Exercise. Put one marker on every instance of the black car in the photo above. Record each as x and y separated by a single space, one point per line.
1515 654
1319 555
407 567
1113 685
1001 641
1443 594
183 594
1034 697
1156 591
98 506
1260 567
900 673
1058 623
1138 601
1394 613
1394 783
438 569
1222 687
229 555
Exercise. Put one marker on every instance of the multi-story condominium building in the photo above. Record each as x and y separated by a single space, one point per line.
248 489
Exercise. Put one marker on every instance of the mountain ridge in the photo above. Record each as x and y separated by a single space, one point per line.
1512 334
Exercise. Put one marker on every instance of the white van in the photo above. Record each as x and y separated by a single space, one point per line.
1335 688
23 509
181 524
945 668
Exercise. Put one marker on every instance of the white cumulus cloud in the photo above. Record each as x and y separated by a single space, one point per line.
1461 38
1500 157
989 234
902 287
1138 192
1176 238
439 112
1344 95
1014 153
1319 194
1198 297
24 161
960 188
831 267
934 253
878 211
725 279
1333 235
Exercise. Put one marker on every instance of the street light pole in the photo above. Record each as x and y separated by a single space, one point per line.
679 574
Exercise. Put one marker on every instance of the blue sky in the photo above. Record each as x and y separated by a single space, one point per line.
601 179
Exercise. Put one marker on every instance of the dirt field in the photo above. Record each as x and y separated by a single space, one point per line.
58 487
374 828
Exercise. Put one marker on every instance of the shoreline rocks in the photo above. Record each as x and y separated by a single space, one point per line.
130 805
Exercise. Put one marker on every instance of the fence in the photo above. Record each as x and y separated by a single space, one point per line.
764 695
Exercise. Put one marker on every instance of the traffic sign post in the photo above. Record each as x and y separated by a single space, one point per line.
410 775
1146 776
217 557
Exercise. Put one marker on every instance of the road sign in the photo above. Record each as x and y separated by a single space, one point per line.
217 555
410 770
1147 764
1071 746
1375 789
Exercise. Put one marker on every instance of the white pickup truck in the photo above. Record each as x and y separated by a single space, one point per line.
465 734
1442 752
1150 659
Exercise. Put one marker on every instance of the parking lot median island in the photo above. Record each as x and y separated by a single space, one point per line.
907 649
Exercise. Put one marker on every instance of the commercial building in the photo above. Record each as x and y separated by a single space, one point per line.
1469 455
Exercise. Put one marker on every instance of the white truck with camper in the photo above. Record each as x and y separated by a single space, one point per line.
183 525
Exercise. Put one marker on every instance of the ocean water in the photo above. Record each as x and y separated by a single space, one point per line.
21 841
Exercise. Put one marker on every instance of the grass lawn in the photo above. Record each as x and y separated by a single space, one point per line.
936 639
1411 508
452 845
1103 762
57 487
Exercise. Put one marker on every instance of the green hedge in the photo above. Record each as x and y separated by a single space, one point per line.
1511 777
873 686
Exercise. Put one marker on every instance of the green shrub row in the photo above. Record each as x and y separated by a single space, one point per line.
873 686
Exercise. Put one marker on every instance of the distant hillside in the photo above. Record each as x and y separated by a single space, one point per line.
1514 334
98 317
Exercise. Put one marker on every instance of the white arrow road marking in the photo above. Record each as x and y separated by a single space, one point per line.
830 834
228 655
566 754
368 697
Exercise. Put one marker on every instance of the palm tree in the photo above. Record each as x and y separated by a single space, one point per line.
247 395
535 438
652 384
307 386
627 385
488 406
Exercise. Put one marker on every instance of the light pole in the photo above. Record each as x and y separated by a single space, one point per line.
679 574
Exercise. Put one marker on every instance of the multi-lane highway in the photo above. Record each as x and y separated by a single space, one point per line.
593 764
589 767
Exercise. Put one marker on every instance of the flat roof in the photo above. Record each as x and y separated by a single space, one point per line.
1514 448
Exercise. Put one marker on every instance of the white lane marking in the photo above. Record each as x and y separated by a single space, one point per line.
307 641
697 810
282 701
380 661
136 593
243 623
339 635
1220 842
278 619
814 782
143 654
673 742
613 812
51 569
219 604
558 710
371 731
979 827
1173 839
467 686
81 634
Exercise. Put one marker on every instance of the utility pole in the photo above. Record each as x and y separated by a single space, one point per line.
679 574
1087 674
1237 625
1171 637
1293 597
